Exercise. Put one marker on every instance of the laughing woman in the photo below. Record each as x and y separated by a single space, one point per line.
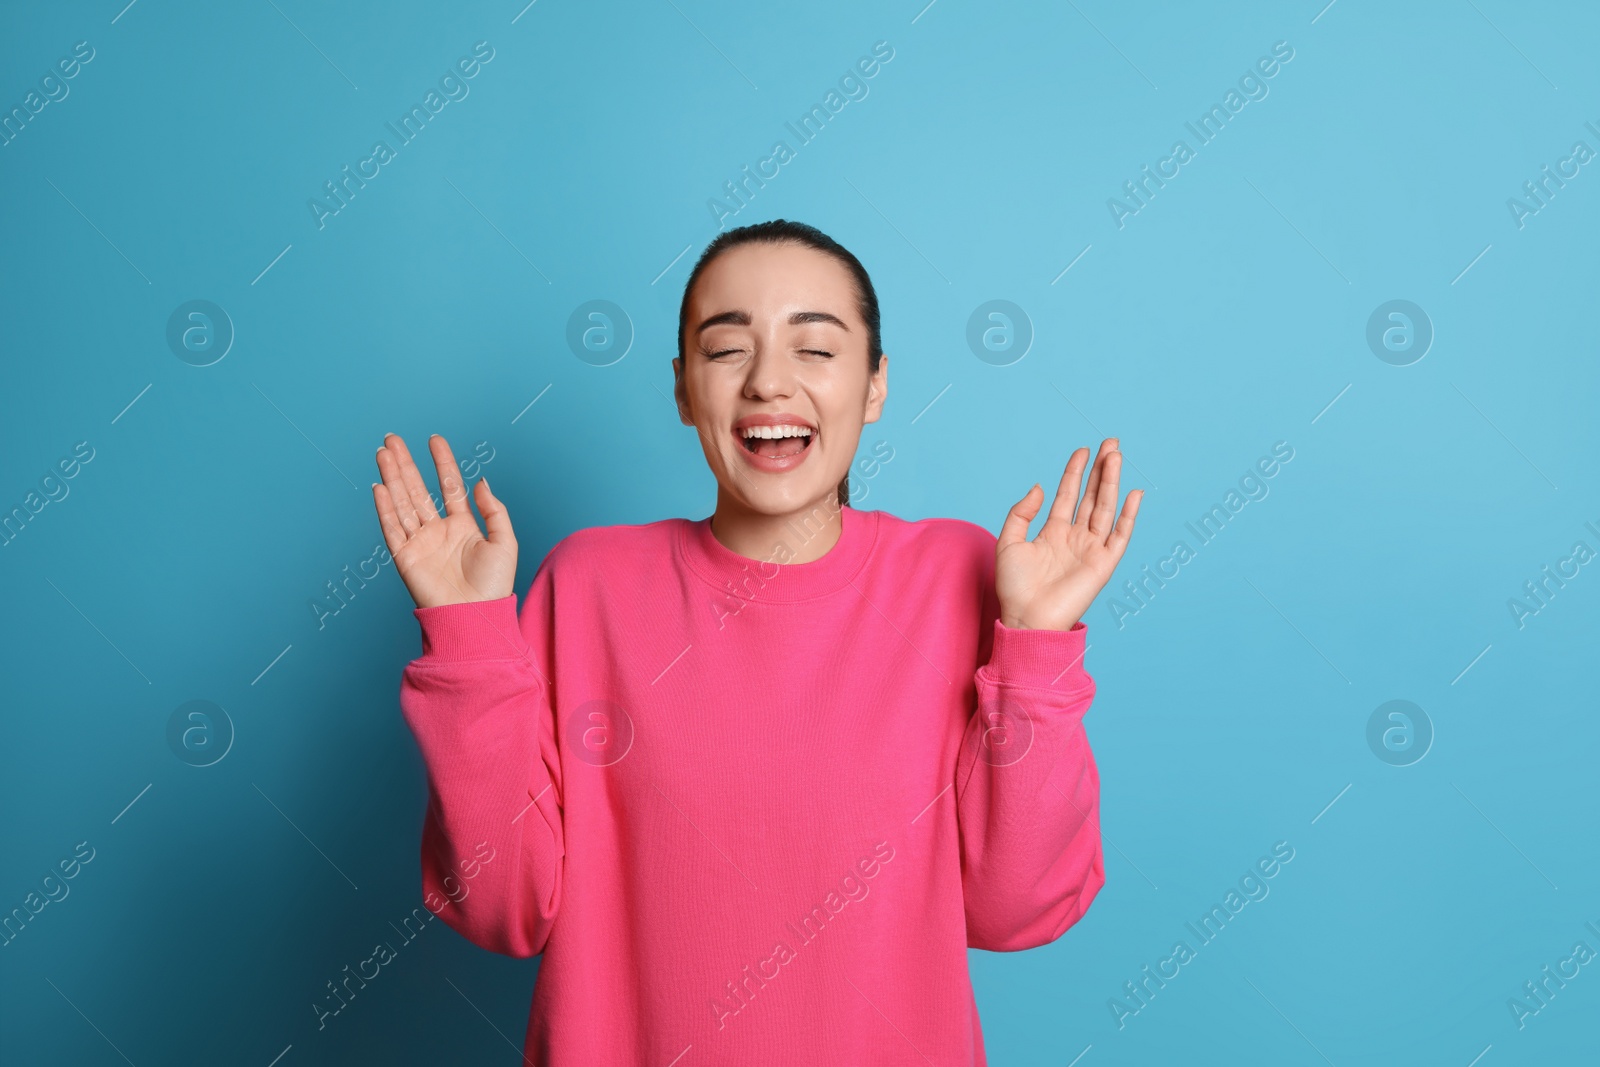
754 783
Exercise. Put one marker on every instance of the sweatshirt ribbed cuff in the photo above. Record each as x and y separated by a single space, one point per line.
1047 659
484 629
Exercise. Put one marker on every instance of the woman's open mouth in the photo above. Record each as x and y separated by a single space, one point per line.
776 448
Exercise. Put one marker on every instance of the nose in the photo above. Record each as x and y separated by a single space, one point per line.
770 374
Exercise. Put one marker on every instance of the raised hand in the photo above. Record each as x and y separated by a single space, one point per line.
1049 582
442 559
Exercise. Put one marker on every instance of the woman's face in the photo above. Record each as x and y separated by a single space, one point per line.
773 333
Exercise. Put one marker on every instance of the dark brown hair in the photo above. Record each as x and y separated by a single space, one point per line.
778 231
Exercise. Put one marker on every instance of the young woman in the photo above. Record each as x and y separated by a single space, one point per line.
754 783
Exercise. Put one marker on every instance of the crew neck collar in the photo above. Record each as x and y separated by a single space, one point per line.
768 579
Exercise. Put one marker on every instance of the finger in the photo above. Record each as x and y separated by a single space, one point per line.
394 534
1124 528
494 513
451 486
399 498
411 479
1091 491
1105 500
1067 492
1015 528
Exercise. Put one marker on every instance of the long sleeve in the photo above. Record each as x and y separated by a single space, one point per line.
478 701
1028 791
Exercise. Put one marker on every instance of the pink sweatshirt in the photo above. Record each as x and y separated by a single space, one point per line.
754 812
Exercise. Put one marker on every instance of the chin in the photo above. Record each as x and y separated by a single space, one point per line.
788 498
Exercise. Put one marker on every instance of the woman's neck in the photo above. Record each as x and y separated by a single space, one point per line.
810 531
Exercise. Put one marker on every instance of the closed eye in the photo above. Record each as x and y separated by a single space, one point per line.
732 351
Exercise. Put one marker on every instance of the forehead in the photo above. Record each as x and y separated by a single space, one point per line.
773 279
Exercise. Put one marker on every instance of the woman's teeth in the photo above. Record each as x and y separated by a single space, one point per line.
777 441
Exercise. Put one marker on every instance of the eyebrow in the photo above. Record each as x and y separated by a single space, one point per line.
742 318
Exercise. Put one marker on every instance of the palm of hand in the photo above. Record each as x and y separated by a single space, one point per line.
1049 582
442 559
448 559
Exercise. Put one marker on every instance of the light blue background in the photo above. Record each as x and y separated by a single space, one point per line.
1228 314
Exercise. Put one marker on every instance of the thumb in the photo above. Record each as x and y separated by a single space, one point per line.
1017 519
494 513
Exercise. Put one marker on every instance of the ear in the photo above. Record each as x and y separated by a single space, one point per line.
680 391
877 390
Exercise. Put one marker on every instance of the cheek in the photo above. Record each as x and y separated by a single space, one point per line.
840 401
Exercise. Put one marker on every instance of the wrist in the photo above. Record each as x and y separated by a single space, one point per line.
468 630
